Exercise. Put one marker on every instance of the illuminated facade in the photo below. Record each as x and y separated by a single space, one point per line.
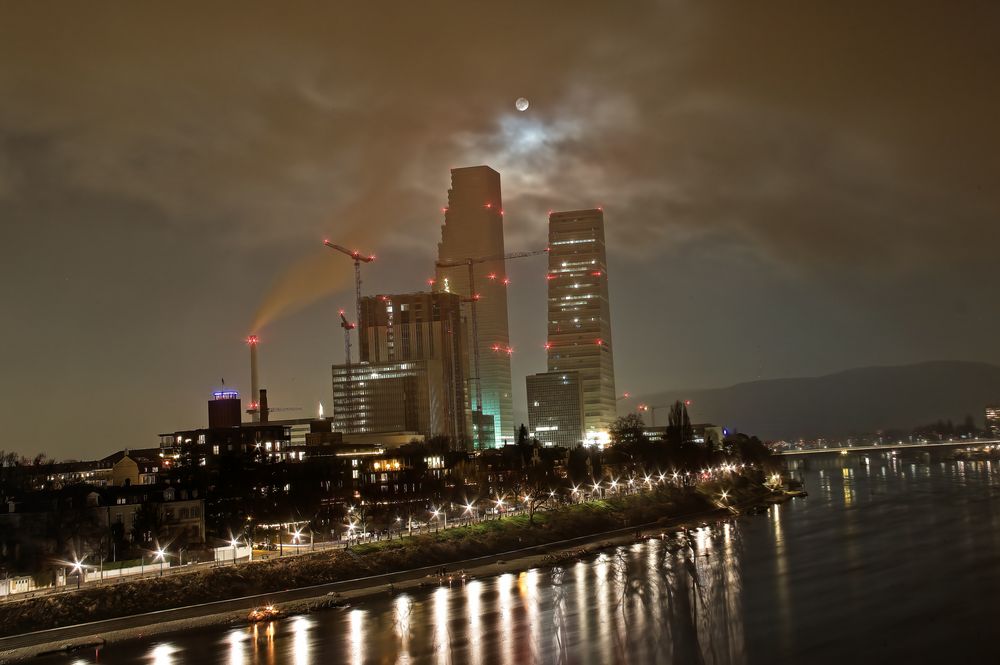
579 327
404 396
473 228
993 420
555 408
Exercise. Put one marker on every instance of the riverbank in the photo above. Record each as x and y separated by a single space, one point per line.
482 549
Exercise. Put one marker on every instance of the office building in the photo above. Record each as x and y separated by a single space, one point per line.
473 228
579 321
391 398
993 420
555 408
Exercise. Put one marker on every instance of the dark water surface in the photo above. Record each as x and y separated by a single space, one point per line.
888 560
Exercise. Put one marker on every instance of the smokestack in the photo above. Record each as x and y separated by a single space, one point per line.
254 384
262 406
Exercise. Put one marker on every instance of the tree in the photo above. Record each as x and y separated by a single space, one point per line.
522 435
628 431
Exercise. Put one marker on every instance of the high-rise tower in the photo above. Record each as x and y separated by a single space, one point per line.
473 228
579 313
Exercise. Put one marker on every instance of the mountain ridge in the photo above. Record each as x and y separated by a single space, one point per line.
853 401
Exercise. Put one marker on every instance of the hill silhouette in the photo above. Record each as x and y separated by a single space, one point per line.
851 402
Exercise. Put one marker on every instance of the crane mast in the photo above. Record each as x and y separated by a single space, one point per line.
471 262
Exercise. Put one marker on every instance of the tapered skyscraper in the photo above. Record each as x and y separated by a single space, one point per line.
473 229
579 312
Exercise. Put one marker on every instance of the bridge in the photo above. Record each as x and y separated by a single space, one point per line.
963 443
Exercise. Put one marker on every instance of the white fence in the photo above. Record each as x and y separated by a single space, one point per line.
96 574
230 553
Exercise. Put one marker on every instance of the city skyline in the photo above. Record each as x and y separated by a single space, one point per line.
798 204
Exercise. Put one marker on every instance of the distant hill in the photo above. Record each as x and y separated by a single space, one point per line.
851 402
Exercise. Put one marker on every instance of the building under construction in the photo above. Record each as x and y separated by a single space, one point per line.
413 371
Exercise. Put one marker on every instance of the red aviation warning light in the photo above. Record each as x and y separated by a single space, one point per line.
506 281
252 340
599 342
495 347
548 345
550 276
492 275
475 296
510 350
488 205
431 281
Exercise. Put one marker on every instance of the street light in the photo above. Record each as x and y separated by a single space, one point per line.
234 543
161 555
78 569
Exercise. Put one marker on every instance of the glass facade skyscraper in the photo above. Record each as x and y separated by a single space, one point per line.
579 321
473 229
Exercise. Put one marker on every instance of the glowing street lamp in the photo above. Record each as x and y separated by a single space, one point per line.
161 554
78 569
234 543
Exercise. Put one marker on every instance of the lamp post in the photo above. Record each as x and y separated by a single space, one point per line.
161 555
233 543
78 569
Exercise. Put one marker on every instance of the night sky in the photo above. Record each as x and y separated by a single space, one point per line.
790 188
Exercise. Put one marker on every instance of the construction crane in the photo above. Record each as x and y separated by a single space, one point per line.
348 327
261 411
472 299
358 259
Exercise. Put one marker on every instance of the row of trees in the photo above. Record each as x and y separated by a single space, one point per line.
680 450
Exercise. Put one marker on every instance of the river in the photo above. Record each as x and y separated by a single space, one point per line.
890 559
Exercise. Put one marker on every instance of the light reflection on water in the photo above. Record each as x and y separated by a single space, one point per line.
826 579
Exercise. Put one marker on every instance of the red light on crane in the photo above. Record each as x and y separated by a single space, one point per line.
492 275
252 340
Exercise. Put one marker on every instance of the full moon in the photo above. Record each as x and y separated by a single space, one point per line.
521 104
